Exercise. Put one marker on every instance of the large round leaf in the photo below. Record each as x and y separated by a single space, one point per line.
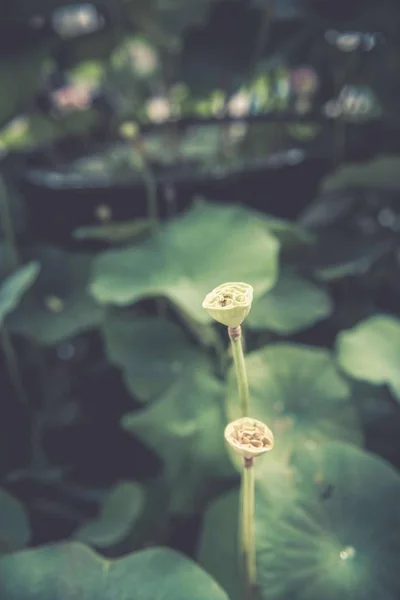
218 550
58 305
339 536
293 304
370 351
152 352
71 571
331 531
218 545
117 517
15 286
299 393
185 427
14 524
193 254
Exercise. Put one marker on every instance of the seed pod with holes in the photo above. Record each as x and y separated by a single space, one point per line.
229 303
249 437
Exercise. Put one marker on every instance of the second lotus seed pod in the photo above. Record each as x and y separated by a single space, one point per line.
249 437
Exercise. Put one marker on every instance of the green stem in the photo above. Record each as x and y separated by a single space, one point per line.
247 529
13 260
13 367
150 185
7 227
235 335
153 215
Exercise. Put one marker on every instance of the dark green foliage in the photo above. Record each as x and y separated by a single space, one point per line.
69 570
195 165
319 533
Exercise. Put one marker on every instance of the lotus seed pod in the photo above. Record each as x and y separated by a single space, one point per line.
229 303
249 437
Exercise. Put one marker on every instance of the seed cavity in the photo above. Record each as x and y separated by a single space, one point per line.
251 434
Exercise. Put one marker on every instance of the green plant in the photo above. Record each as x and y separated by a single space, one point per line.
116 386
182 390
229 304
248 438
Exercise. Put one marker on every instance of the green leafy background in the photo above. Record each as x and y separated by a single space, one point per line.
115 222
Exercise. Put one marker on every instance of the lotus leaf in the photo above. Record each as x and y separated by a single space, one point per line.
190 256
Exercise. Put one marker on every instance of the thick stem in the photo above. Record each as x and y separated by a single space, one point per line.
247 529
235 335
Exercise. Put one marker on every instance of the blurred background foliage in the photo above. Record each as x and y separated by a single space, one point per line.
150 150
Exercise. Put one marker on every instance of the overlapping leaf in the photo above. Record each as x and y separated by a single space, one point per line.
293 304
117 517
152 352
185 427
70 571
14 524
58 305
15 286
218 550
299 393
193 254
218 545
339 537
331 532
370 351
291 236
